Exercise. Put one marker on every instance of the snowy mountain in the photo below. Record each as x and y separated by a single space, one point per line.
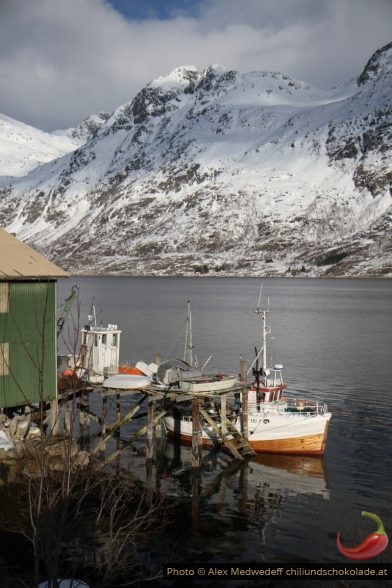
23 148
236 174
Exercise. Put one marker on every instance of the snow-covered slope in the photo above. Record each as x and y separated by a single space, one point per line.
242 174
23 148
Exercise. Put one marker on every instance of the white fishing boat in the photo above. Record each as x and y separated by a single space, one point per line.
276 424
186 376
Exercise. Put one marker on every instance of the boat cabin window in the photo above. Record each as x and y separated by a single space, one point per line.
269 396
95 340
263 396
104 339
115 339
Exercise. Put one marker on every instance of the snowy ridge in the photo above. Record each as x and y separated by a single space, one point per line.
218 171
23 147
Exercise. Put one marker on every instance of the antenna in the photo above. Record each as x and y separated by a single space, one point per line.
189 352
262 313
258 302
92 317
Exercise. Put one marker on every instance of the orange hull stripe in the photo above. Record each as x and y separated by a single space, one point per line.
308 445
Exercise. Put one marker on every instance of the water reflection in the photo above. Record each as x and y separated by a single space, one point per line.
228 509
259 485
284 473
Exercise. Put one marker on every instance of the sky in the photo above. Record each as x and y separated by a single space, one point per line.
62 61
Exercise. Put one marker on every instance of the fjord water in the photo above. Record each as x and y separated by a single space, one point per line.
334 338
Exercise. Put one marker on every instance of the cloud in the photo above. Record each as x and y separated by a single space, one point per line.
61 61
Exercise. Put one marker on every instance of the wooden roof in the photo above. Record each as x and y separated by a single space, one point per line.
18 261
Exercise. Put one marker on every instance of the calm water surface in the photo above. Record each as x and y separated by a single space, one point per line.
334 338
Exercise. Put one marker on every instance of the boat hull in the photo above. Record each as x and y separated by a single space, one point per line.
207 385
311 441
126 382
304 445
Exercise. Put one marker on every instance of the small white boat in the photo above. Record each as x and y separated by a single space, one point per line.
276 424
126 382
178 374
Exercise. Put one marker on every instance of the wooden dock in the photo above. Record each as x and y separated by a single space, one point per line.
157 401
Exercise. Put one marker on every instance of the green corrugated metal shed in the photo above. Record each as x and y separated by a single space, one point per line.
28 337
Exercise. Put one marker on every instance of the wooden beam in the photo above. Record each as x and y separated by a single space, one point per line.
223 414
197 453
130 414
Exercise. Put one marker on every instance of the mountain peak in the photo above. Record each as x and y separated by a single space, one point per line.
179 76
242 173
380 63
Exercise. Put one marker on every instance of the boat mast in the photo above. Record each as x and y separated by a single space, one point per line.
262 313
265 333
189 355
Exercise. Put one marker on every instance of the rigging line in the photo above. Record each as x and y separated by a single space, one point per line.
180 335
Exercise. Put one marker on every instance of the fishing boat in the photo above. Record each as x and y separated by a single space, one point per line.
185 375
276 423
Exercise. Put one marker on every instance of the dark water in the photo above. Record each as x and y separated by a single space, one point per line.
334 339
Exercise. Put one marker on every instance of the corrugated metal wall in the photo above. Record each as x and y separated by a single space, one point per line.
29 328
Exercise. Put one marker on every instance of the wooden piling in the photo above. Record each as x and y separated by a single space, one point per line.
196 434
196 481
118 407
104 415
67 418
150 430
54 416
86 398
125 419
158 434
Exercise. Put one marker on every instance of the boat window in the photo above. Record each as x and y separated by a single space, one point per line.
115 339
104 339
95 340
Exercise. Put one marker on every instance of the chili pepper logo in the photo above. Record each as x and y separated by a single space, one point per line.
372 546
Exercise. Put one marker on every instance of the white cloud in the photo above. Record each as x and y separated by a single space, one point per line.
61 61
